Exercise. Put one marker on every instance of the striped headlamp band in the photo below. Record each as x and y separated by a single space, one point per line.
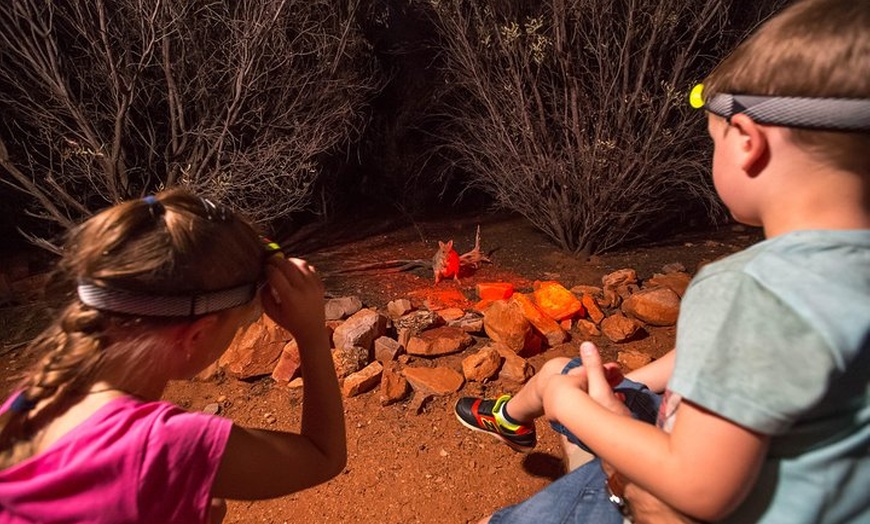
148 305
116 300
831 114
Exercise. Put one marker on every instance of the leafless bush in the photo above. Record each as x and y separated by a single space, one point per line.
239 100
574 113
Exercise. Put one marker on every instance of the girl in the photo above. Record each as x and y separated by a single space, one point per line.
158 288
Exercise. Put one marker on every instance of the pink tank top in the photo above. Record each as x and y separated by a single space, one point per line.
131 461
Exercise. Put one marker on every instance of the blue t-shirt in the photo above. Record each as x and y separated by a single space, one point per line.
777 339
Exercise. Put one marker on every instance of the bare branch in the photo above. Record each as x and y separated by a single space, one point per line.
239 100
573 114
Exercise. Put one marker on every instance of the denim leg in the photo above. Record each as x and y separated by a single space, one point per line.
643 403
581 496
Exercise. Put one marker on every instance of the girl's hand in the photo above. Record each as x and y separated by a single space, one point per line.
293 296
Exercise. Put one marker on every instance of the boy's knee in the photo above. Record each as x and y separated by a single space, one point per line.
554 366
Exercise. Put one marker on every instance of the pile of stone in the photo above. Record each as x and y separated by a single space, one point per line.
384 348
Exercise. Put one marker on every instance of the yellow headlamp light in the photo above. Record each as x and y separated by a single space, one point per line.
696 96
833 114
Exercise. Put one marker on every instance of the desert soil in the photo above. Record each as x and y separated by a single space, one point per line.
407 466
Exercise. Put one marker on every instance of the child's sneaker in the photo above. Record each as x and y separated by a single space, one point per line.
486 416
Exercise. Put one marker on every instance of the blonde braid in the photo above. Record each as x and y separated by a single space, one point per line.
74 346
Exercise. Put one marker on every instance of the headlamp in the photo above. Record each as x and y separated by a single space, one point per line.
831 114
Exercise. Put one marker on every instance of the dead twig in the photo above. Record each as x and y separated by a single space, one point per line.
389 266
474 257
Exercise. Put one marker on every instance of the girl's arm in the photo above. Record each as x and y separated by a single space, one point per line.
703 468
263 464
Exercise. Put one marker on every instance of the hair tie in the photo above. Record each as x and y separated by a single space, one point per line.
154 206
272 248
215 212
22 404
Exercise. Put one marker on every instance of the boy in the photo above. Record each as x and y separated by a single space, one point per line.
766 417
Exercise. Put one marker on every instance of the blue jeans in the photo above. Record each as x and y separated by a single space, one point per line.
643 403
581 496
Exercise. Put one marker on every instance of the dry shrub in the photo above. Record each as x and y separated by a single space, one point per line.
574 113
104 101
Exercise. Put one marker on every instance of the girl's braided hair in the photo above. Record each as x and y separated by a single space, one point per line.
173 243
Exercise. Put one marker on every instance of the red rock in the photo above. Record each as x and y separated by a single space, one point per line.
587 328
616 285
361 381
386 349
592 310
343 307
394 387
657 306
583 289
361 329
255 350
504 322
399 307
556 301
439 341
631 360
619 328
482 365
436 381
514 368
482 305
545 324
494 290
289 363
451 313
349 360
676 282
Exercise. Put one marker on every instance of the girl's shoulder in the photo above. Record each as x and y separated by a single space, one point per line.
128 452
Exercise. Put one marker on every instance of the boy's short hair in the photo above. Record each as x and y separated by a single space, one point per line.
813 48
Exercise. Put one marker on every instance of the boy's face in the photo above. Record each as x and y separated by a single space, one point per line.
730 180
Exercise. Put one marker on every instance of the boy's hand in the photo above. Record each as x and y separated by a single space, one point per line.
602 378
293 297
593 378
646 508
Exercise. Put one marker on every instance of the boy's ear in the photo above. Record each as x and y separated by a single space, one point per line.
753 148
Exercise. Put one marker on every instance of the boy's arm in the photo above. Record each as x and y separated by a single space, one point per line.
704 468
656 374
